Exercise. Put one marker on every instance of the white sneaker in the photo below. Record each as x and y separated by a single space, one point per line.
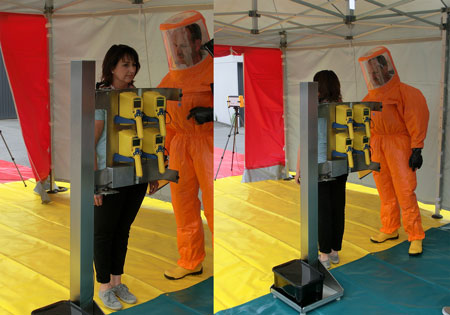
325 263
109 299
124 294
334 258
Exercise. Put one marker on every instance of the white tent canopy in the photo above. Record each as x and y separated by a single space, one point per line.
84 30
318 35
100 7
316 24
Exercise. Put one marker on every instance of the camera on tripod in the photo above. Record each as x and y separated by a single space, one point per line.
235 101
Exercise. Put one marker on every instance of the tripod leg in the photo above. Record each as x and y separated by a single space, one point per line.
12 158
226 144
234 143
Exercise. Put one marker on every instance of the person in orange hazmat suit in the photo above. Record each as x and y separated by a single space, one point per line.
189 138
398 134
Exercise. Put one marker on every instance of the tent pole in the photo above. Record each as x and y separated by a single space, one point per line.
254 15
52 188
48 15
283 45
442 113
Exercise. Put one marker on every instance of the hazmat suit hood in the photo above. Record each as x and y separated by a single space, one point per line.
379 70
184 34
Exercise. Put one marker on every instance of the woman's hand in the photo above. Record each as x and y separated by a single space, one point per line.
153 187
297 178
98 200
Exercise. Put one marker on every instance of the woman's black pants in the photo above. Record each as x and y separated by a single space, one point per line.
331 216
112 222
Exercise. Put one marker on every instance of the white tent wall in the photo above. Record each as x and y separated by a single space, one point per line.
226 83
88 38
318 38
418 64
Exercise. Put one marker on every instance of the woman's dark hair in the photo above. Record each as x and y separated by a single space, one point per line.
329 86
112 58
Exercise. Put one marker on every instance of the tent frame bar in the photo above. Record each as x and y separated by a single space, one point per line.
395 25
383 8
403 13
137 10
301 27
326 17
248 36
254 15
369 43
48 9
442 113
283 45
232 23
306 37
309 27
233 27
382 16
302 15
319 8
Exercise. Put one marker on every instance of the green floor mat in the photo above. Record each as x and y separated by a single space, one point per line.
197 299
388 282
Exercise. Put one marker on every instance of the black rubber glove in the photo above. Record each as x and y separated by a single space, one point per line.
415 160
201 114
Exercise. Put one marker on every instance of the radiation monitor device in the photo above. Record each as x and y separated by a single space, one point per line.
235 101
153 144
344 146
155 106
130 146
344 119
361 117
361 145
130 107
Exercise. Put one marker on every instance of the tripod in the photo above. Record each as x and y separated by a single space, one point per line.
12 158
235 130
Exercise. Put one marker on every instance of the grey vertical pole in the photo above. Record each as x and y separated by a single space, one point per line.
283 46
82 106
49 25
442 114
254 15
309 171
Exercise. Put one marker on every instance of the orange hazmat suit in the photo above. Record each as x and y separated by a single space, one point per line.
400 127
189 144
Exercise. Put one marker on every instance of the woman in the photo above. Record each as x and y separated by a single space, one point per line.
331 203
114 214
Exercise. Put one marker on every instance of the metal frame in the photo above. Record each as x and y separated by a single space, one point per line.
283 45
48 16
82 106
310 174
332 290
338 16
442 113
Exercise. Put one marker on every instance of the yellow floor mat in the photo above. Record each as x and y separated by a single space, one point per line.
257 226
35 249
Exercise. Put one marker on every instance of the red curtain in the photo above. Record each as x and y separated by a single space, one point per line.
263 94
23 40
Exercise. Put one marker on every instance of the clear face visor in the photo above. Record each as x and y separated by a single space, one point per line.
184 45
378 71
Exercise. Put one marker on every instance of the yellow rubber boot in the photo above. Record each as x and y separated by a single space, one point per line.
383 237
180 272
415 248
